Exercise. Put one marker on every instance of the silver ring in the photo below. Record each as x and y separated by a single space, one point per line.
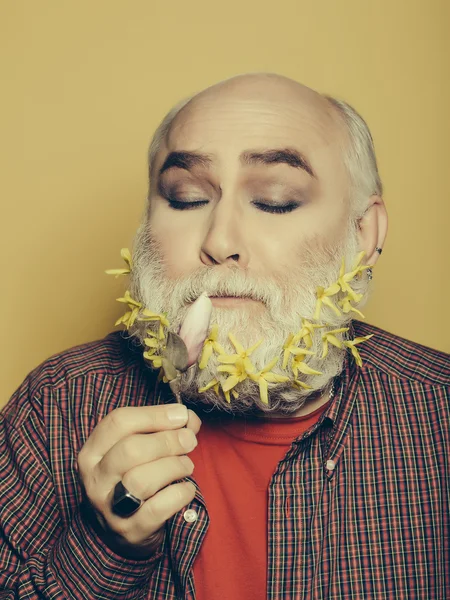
124 504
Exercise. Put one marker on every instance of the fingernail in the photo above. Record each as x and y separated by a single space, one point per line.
187 439
191 412
177 413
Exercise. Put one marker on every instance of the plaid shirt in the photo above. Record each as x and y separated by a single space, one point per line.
358 508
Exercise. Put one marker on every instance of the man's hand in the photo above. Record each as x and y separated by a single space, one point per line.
145 448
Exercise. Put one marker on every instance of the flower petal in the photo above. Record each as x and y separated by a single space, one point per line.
214 333
123 319
357 356
332 331
318 308
231 381
301 384
307 370
236 344
126 255
285 358
263 391
117 272
329 303
270 365
228 369
301 352
275 378
195 327
206 355
358 340
358 312
333 340
228 359
248 366
332 289
253 348
218 348
209 385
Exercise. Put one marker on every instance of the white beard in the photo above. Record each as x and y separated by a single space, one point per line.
287 297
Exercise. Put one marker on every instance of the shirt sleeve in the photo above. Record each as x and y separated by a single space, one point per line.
45 552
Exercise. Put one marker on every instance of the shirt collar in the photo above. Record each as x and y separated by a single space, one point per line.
346 384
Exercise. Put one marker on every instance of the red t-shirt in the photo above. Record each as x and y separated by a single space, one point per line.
234 462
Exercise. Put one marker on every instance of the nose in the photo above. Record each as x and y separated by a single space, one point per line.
225 240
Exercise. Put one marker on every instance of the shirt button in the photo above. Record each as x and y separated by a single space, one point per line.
190 515
330 465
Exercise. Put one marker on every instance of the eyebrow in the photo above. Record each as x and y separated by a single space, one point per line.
289 156
186 160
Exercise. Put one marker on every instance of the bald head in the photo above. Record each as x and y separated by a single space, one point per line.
268 86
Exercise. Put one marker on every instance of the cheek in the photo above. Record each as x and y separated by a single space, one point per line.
178 244
281 246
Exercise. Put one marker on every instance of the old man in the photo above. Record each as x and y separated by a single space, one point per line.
307 455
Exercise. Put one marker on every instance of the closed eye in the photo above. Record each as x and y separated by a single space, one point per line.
276 208
186 205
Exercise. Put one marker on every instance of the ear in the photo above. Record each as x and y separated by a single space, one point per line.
372 229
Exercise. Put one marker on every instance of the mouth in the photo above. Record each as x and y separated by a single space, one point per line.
232 301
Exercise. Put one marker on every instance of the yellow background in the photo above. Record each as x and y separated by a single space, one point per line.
87 81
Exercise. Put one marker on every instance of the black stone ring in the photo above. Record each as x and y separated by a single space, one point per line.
124 504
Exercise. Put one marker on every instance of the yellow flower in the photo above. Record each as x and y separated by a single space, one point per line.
345 278
298 365
264 376
238 372
330 338
130 316
241 354
126 255
323 297
306 333
351 345
347 307
290 346
148 315
210 344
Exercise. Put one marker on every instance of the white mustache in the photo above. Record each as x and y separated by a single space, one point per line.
235 284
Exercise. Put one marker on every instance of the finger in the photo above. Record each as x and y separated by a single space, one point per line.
147 480
153 513
139 449
127 420
194 422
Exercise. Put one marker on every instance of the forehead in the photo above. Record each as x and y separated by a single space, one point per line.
225 127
